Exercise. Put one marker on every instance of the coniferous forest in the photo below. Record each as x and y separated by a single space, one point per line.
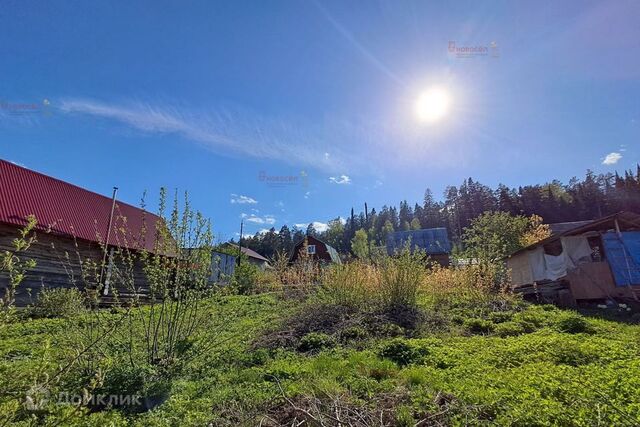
591 197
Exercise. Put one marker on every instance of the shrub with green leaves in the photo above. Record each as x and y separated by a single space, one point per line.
315 341
402 351
245 278
572 323
509 329
58 302
478 326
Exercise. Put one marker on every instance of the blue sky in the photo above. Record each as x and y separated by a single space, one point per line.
295 111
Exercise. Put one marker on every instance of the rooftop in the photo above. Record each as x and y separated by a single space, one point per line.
66 209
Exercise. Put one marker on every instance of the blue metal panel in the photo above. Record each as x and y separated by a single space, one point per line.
623 255
431 240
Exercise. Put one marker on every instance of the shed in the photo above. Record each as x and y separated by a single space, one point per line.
433 241
316 250
582 261
70 220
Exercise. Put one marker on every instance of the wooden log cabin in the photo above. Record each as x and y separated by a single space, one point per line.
73 225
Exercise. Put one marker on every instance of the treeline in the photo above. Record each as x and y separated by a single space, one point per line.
581 199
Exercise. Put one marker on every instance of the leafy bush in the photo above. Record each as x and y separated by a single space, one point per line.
353 333
532 319
315 341
58 302
478 326
509 329
403 352
573 324
500 316
245 278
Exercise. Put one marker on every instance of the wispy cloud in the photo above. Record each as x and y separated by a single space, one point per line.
612 158
242 200
230 132
342 179
332 145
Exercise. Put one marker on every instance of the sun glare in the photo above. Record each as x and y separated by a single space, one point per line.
433 105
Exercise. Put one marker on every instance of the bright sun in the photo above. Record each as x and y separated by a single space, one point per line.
433 105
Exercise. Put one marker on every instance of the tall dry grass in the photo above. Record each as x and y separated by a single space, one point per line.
392 282
356 285
479 284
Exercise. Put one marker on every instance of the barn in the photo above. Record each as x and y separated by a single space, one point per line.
433 241
73 224
316 250
585 261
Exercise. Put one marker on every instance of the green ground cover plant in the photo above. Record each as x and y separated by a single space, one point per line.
450 350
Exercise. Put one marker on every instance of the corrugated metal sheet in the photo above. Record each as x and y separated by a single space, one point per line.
563 227
69 210
432 240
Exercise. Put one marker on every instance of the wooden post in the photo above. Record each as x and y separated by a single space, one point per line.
109 224
240 243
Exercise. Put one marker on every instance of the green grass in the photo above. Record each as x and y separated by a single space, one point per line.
466 363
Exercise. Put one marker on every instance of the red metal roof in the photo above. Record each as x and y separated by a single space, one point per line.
70 210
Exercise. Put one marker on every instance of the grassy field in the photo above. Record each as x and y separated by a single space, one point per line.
455 359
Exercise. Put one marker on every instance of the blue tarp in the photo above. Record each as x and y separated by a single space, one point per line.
623 255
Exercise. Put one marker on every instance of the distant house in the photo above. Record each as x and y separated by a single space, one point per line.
433 241
252 256
582 261
316 250
71 220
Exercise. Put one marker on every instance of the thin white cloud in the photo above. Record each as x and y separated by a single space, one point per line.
226 132
267 219
341 180
612 158
333 145
242 200
244 235
320 227
307 194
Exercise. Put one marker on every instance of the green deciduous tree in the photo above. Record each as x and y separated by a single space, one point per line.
360 244
494 235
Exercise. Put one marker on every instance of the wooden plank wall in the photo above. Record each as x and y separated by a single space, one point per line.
53 269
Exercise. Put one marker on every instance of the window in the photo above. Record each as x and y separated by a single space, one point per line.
311 249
